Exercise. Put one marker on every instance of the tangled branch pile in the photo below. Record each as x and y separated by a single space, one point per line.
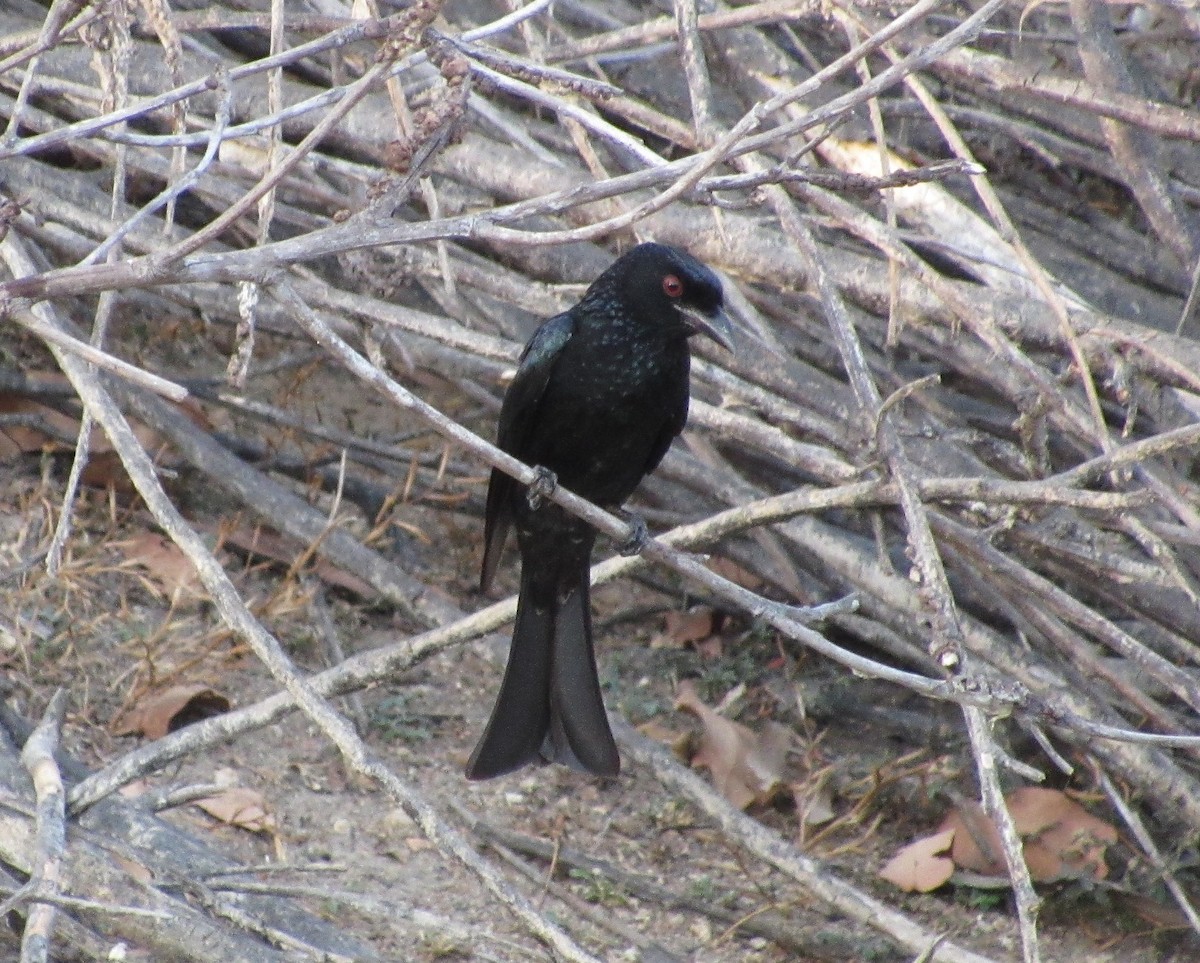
956 238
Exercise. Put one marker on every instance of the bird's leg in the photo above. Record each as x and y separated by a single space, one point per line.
541 487
639 533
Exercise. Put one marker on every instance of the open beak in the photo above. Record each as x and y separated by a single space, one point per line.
715 326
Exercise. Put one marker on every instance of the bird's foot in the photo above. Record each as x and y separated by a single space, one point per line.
639 535
542 487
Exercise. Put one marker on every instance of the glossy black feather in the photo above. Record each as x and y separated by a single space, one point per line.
600 394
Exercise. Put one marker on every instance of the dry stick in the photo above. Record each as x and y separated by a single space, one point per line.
1002 76
159 15
691 52
242 353
1146 841
177 186
113 61
946 644
784 856
101 359
625 144
666 28
1008 232
88 905
386 662
240 620
38 759
52 32
1137 153
259 263
323 619
362 30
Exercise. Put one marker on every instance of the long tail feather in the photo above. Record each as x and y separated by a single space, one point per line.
579 734
550 705
521 716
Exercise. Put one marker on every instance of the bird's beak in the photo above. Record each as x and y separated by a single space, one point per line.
715 326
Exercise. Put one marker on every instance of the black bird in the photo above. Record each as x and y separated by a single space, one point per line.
600 393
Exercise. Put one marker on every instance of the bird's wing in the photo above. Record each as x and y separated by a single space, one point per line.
670 431
521 400
517 414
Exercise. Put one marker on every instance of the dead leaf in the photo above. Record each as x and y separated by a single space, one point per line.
158 713
1060 838
138 871
257 540
28 439
734 572
746 767
680 628
919 867
678 742
1034 809
977 845
1064 839
241 807
166 566
814 802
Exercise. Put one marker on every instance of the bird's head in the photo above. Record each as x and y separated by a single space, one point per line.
661 284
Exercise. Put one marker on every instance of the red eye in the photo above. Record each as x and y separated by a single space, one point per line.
672 286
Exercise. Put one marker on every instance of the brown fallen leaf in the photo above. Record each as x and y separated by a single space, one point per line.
729 569
814 802
682 628
919 867
167 568
977 845
55 431
257 540
241 807
1061 839
24 439
157 713
746 767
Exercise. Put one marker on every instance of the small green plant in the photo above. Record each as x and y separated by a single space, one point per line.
599 889
395 719
441 947
981 899
705 889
